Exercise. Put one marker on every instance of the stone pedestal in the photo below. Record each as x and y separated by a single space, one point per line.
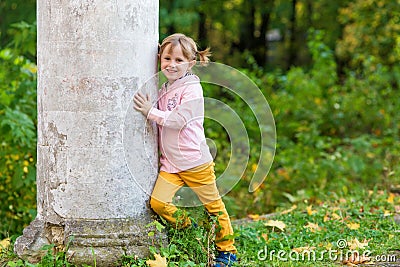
93 55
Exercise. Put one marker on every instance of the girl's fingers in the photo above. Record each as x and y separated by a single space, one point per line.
138 107
139 98
139 95
137 102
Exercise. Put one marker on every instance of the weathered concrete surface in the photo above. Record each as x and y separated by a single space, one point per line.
92 56
105 241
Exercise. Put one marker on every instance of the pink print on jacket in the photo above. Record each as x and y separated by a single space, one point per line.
180 117
172 102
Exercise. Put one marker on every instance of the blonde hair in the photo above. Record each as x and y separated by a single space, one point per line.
189 47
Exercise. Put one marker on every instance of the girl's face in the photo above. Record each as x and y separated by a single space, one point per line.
174 64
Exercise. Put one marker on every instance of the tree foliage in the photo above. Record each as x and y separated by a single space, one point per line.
14 11
18 134
371 32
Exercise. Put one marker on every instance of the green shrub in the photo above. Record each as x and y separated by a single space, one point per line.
333 136
18 141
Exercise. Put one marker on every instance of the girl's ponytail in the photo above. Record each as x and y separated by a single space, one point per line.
204 56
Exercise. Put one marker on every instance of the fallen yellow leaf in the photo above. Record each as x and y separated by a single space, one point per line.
336 217
326 217
278 224
328 246
158 262
353 226
254 217
265 236
390 198
310 211
313 227
355 244
4 244
387 213
302 249
289 210
355 259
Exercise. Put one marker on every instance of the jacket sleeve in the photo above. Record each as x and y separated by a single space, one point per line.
191 107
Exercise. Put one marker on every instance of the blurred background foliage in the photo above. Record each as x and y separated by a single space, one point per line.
329 69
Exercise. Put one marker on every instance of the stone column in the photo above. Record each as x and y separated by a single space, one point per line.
92 57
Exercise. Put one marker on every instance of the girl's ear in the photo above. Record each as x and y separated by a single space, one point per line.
192 63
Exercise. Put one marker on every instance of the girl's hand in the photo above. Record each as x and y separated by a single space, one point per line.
142 103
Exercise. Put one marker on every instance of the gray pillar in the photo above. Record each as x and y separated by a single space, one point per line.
92 56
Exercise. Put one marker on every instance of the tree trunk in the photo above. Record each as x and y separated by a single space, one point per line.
92 57
292 40
261 48
203 34
246 41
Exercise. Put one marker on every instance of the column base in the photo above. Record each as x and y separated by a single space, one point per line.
91 242
106 241
29 245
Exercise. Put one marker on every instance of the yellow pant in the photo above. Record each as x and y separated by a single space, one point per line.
202 181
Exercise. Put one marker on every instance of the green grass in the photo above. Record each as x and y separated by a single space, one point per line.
367 217
368 213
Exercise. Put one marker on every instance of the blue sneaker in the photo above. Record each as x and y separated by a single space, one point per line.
225 259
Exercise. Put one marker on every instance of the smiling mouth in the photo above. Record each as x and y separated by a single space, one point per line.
171 71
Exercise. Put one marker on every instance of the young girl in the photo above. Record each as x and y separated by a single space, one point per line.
185 156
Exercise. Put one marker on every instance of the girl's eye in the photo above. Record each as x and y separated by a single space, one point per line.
179 60
167 58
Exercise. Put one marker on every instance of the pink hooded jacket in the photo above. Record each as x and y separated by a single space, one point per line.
180 117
